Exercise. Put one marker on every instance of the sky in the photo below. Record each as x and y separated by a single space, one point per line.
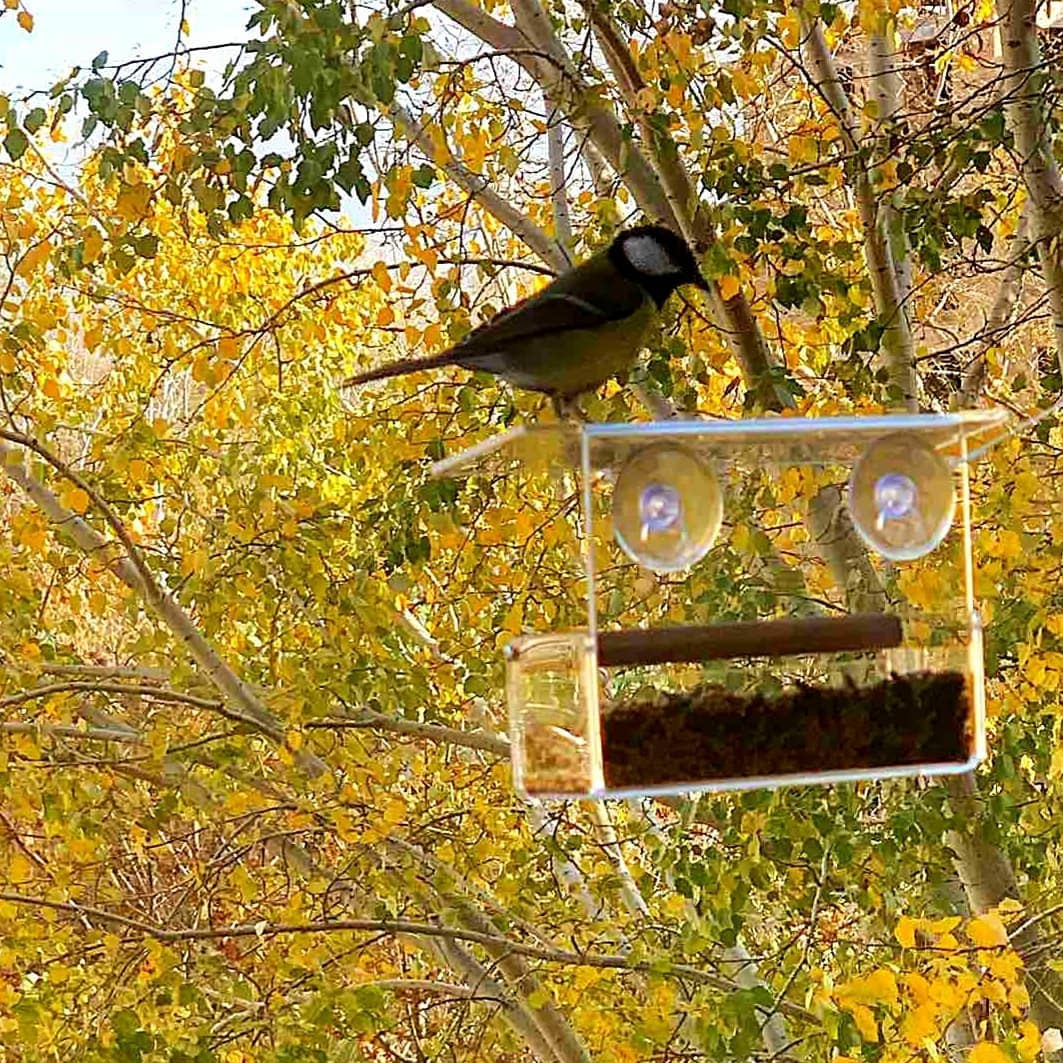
72 32
69 33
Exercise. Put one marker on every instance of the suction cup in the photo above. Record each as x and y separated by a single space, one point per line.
901 497
667 507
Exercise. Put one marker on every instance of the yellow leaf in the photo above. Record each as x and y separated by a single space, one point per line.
1008 545
987 931
78 500
803 149
394 811
385 317
229 348
514 620
92 246
138 470
920 1024
728 286
918 987
382 276
675 906
11 4
905 932
948 922
744 85
1030 1042
865 1023
1007 966
202 370
789 28
244 883
25 20
34 257
993 991
132 202
7 362
879 987
194 562
1018 999
19 869
986 1052
33 535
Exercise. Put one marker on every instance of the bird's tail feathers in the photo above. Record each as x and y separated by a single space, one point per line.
406 365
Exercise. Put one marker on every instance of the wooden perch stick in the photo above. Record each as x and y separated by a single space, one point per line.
756 638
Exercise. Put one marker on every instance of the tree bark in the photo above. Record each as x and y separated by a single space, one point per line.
878 220
988 878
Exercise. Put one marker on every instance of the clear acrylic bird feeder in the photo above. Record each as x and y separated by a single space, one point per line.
763 602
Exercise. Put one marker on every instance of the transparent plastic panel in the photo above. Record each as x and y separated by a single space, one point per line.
552 690
523 493
792 651
741 604
530 446
794 720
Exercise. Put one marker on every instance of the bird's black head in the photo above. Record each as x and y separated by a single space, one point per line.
657 260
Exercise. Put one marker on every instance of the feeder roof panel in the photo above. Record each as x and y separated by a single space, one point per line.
961 436
529 445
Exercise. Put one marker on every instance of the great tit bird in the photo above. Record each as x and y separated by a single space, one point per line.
582 328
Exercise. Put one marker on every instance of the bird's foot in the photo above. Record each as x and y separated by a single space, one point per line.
568 409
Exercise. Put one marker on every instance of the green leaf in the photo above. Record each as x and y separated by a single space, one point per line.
15 144
35 119
147 245
240 209
424 175
412 48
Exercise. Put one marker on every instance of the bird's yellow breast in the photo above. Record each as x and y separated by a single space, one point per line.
581 360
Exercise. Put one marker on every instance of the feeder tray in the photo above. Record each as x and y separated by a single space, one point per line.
835 656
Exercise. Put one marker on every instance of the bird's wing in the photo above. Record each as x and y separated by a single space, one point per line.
545 314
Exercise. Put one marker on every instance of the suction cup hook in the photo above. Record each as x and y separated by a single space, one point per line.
667 507
901 497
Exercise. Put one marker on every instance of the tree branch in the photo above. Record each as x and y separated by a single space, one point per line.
393 927
134 572
988 878
556 76
432 732
897 344
61 730
480 191
1026 89
1001 312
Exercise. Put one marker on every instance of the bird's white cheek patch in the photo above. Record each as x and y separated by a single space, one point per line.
648 256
